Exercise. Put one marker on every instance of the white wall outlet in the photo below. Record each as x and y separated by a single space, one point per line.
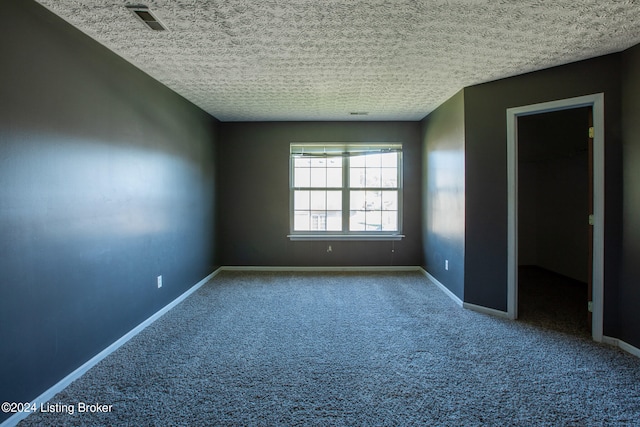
329 249
159 282
446 264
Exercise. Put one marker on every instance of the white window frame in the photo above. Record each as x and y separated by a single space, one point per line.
345 150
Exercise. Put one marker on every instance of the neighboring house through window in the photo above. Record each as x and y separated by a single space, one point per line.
346 191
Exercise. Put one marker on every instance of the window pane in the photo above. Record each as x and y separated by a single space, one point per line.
390 177
301 221
318 162
390 200
374 201
302 177
374 160
318 177
389 221
334 200
334 162
334 177
334 221
318 220
374 177
389 160
301 200
357 220
358 201
302 162
374 220
356 161
356 177
318 200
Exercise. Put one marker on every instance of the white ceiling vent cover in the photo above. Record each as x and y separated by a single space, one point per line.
144 14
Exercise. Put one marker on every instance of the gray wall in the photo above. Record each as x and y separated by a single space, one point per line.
486 172
254 195
553 192
106 181
443 212
629 296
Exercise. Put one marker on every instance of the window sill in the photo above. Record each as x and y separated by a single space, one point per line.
368 236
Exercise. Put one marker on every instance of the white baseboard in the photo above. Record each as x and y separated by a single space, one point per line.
466 305
486 310
323 268
622 345
442 287
62 384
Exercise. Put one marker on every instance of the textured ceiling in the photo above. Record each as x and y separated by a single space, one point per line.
324 59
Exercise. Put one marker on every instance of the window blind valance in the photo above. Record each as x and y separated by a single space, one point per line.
342 150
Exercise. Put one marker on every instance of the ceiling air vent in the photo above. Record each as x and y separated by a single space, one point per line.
144 14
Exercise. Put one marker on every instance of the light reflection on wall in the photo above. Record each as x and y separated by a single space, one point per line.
445 180
87 189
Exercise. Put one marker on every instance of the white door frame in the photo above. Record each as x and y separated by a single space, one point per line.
597 102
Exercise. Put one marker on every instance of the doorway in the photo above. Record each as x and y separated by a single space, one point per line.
596 105
554 203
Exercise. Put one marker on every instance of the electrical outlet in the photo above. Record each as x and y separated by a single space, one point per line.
446 264
159 282
329 249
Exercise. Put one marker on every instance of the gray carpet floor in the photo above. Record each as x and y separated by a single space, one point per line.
552 301
333 349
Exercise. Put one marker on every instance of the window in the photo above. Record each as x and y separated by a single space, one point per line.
346 191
